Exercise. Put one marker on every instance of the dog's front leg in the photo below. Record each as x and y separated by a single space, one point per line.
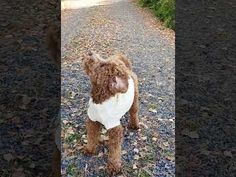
114 154
93 135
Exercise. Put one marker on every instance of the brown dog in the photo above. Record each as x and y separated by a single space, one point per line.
114 92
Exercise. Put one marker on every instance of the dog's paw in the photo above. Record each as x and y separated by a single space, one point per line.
88 150
113 169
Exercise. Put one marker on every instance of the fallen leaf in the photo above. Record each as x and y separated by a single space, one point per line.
228 154
171 120
65 121
166 143
191 134
205 152
101 167
142 154
154 139
100 154
153 110
70 130
26 143
144 138
8 157
136 150
171 158
124 152
32 165
144 125
135 166
26 100
80 147
22 106
136 157
39 140
155 134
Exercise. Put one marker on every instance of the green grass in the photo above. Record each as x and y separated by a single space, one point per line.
163 9
71 169
72 137
153 106
144 173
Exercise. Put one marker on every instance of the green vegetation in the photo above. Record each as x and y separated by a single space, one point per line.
71 169
72 137
163 9
144 173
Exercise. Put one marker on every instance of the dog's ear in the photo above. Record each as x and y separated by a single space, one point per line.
91 60
125 60
88 61
118 84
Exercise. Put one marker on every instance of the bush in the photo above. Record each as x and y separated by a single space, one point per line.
164 9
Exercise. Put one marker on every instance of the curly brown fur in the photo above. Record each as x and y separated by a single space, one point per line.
103 75
109 77
102 88
93 133
114 154
122 60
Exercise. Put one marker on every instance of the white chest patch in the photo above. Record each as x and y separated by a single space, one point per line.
111 111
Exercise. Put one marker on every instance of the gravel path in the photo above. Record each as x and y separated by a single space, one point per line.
119 26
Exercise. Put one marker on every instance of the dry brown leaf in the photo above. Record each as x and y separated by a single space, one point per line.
101 167
154 139
144 125
191 134
144 138
153 110
136 157
124 152
100 154
166 143
135 166
228 153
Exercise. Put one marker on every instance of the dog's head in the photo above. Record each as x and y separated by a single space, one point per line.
108 74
